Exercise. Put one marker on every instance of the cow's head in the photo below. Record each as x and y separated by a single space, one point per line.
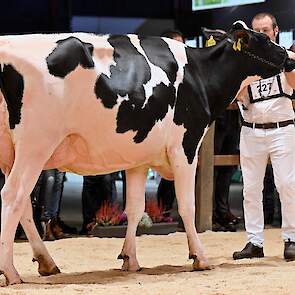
262 56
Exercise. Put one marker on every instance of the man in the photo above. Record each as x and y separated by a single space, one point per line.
268 132
226 141
46 200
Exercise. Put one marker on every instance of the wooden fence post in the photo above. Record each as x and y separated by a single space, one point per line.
204 182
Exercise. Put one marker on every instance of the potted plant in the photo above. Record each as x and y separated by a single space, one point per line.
109 215
112 222
161 223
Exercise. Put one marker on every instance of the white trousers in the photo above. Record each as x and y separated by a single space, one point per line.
256 146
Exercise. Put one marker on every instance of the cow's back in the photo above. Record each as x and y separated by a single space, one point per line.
115 115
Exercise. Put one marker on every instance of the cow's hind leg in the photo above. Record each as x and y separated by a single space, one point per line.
184 177
135 181
40 254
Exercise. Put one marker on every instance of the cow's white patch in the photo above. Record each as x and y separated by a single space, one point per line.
201 140
104 58
103 67
157 74
181 58
103 51
120 99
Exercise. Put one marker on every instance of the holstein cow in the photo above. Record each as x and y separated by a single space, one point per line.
97 104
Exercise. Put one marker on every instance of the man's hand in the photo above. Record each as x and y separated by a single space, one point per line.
289 65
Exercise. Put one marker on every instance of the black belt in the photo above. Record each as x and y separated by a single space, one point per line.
268 125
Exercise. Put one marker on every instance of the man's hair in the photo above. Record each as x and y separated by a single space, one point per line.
264 14
172 34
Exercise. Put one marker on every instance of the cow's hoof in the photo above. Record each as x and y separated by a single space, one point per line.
129 264
45 268
11 279
200 264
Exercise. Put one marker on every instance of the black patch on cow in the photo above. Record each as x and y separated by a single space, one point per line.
12 87
68 54
191 109
159 54
132 117
128 77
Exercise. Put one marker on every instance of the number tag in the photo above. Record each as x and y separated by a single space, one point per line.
264 88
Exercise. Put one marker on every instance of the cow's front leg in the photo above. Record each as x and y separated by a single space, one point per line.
184 177
135 185
40 254
186 208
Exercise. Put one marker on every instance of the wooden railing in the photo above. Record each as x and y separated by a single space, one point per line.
205 177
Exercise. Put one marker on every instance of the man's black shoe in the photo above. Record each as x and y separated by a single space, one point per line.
234 219
250 251
224 227
227 218
289 252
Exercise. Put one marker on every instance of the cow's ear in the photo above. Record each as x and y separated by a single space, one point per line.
239 25
241 36
217 35
241 39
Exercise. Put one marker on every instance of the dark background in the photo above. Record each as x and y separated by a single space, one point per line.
19 16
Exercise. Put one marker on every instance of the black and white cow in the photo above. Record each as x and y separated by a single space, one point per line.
97 104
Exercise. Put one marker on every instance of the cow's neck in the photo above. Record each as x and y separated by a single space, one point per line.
225 72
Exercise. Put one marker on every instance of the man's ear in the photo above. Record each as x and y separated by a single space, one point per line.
276 30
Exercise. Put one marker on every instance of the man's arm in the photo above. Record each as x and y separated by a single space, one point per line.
290 69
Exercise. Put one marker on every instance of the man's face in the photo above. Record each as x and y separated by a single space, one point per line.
264 25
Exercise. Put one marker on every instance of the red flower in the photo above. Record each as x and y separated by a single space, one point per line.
108 214
156 211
